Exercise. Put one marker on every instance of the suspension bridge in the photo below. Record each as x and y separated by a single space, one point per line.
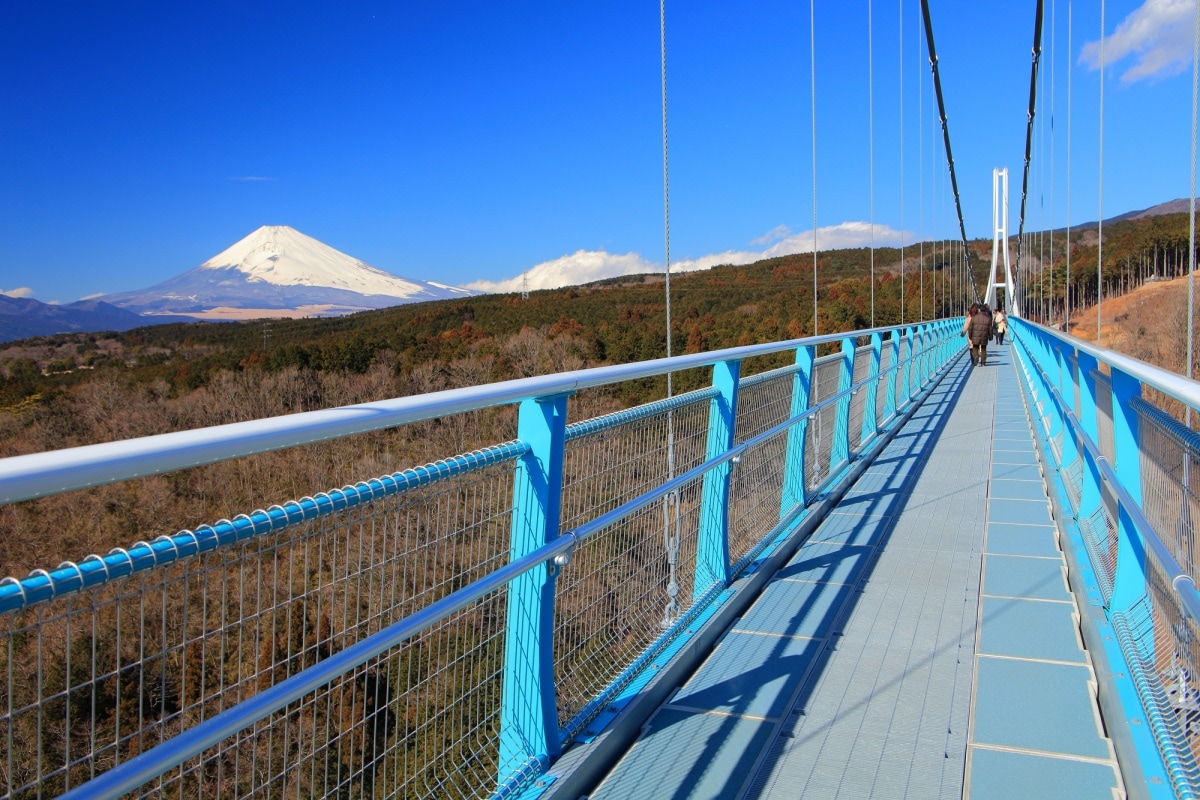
875 571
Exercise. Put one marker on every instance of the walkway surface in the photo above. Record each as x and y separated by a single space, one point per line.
921 644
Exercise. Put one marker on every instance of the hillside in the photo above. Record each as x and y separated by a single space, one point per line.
1148 323
612 321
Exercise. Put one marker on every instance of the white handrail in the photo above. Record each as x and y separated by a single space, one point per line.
40 474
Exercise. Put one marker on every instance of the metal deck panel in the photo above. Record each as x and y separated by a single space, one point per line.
1002 775
1020 512
1030 629
1023 540
1021 576
1037 705
1017 490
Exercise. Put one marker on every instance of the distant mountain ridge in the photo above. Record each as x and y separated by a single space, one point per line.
22 317
1179 206
278 267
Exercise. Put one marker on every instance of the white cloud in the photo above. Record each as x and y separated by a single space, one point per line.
584 266
92 296
23 291
1159 34
773 235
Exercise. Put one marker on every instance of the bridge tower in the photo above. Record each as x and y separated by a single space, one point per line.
1000 234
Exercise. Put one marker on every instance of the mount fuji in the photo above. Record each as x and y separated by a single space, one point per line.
276 268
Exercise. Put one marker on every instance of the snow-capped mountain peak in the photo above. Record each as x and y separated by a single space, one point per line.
283 256
279 268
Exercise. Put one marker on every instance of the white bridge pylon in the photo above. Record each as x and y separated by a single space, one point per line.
1000 234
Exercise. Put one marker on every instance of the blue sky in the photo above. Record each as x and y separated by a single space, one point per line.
468 142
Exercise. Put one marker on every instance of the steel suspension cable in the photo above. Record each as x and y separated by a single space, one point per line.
1100 193
871 142
937 85
662 45
1192 206
1053 47
671 522
812 37
920 182
662 48
1031 113
1042 197
1070 72
901 26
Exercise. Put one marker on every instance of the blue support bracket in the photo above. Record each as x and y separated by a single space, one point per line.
1130 582
840 453
1089 497
1070 446
910 365
870 421
795 491
889 401
528 716
923 359
712 549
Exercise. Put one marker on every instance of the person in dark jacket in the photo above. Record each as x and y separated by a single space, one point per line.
978 329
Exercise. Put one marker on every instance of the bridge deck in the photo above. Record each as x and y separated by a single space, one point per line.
921 644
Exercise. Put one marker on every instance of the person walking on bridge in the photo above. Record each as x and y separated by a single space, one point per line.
978 330
999 325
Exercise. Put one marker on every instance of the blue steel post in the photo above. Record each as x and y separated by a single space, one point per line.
1048 377
840 453
795 492
927 347
923 339
1130 582
528 717
1089 496
712 550
909 363
889 400
870 421
1070 396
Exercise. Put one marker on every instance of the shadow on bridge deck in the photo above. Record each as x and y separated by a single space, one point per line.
921 642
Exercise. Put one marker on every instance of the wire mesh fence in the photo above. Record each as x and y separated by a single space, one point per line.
858 402
1159 644
1170 462
626 585
419 721
756 497
626 580
91 679
764 401
821 425
1104 417
881 394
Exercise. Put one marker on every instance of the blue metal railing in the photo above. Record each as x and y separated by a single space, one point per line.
1124 470
331 644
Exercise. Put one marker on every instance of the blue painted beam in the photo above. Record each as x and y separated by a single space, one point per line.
712 550
528 717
